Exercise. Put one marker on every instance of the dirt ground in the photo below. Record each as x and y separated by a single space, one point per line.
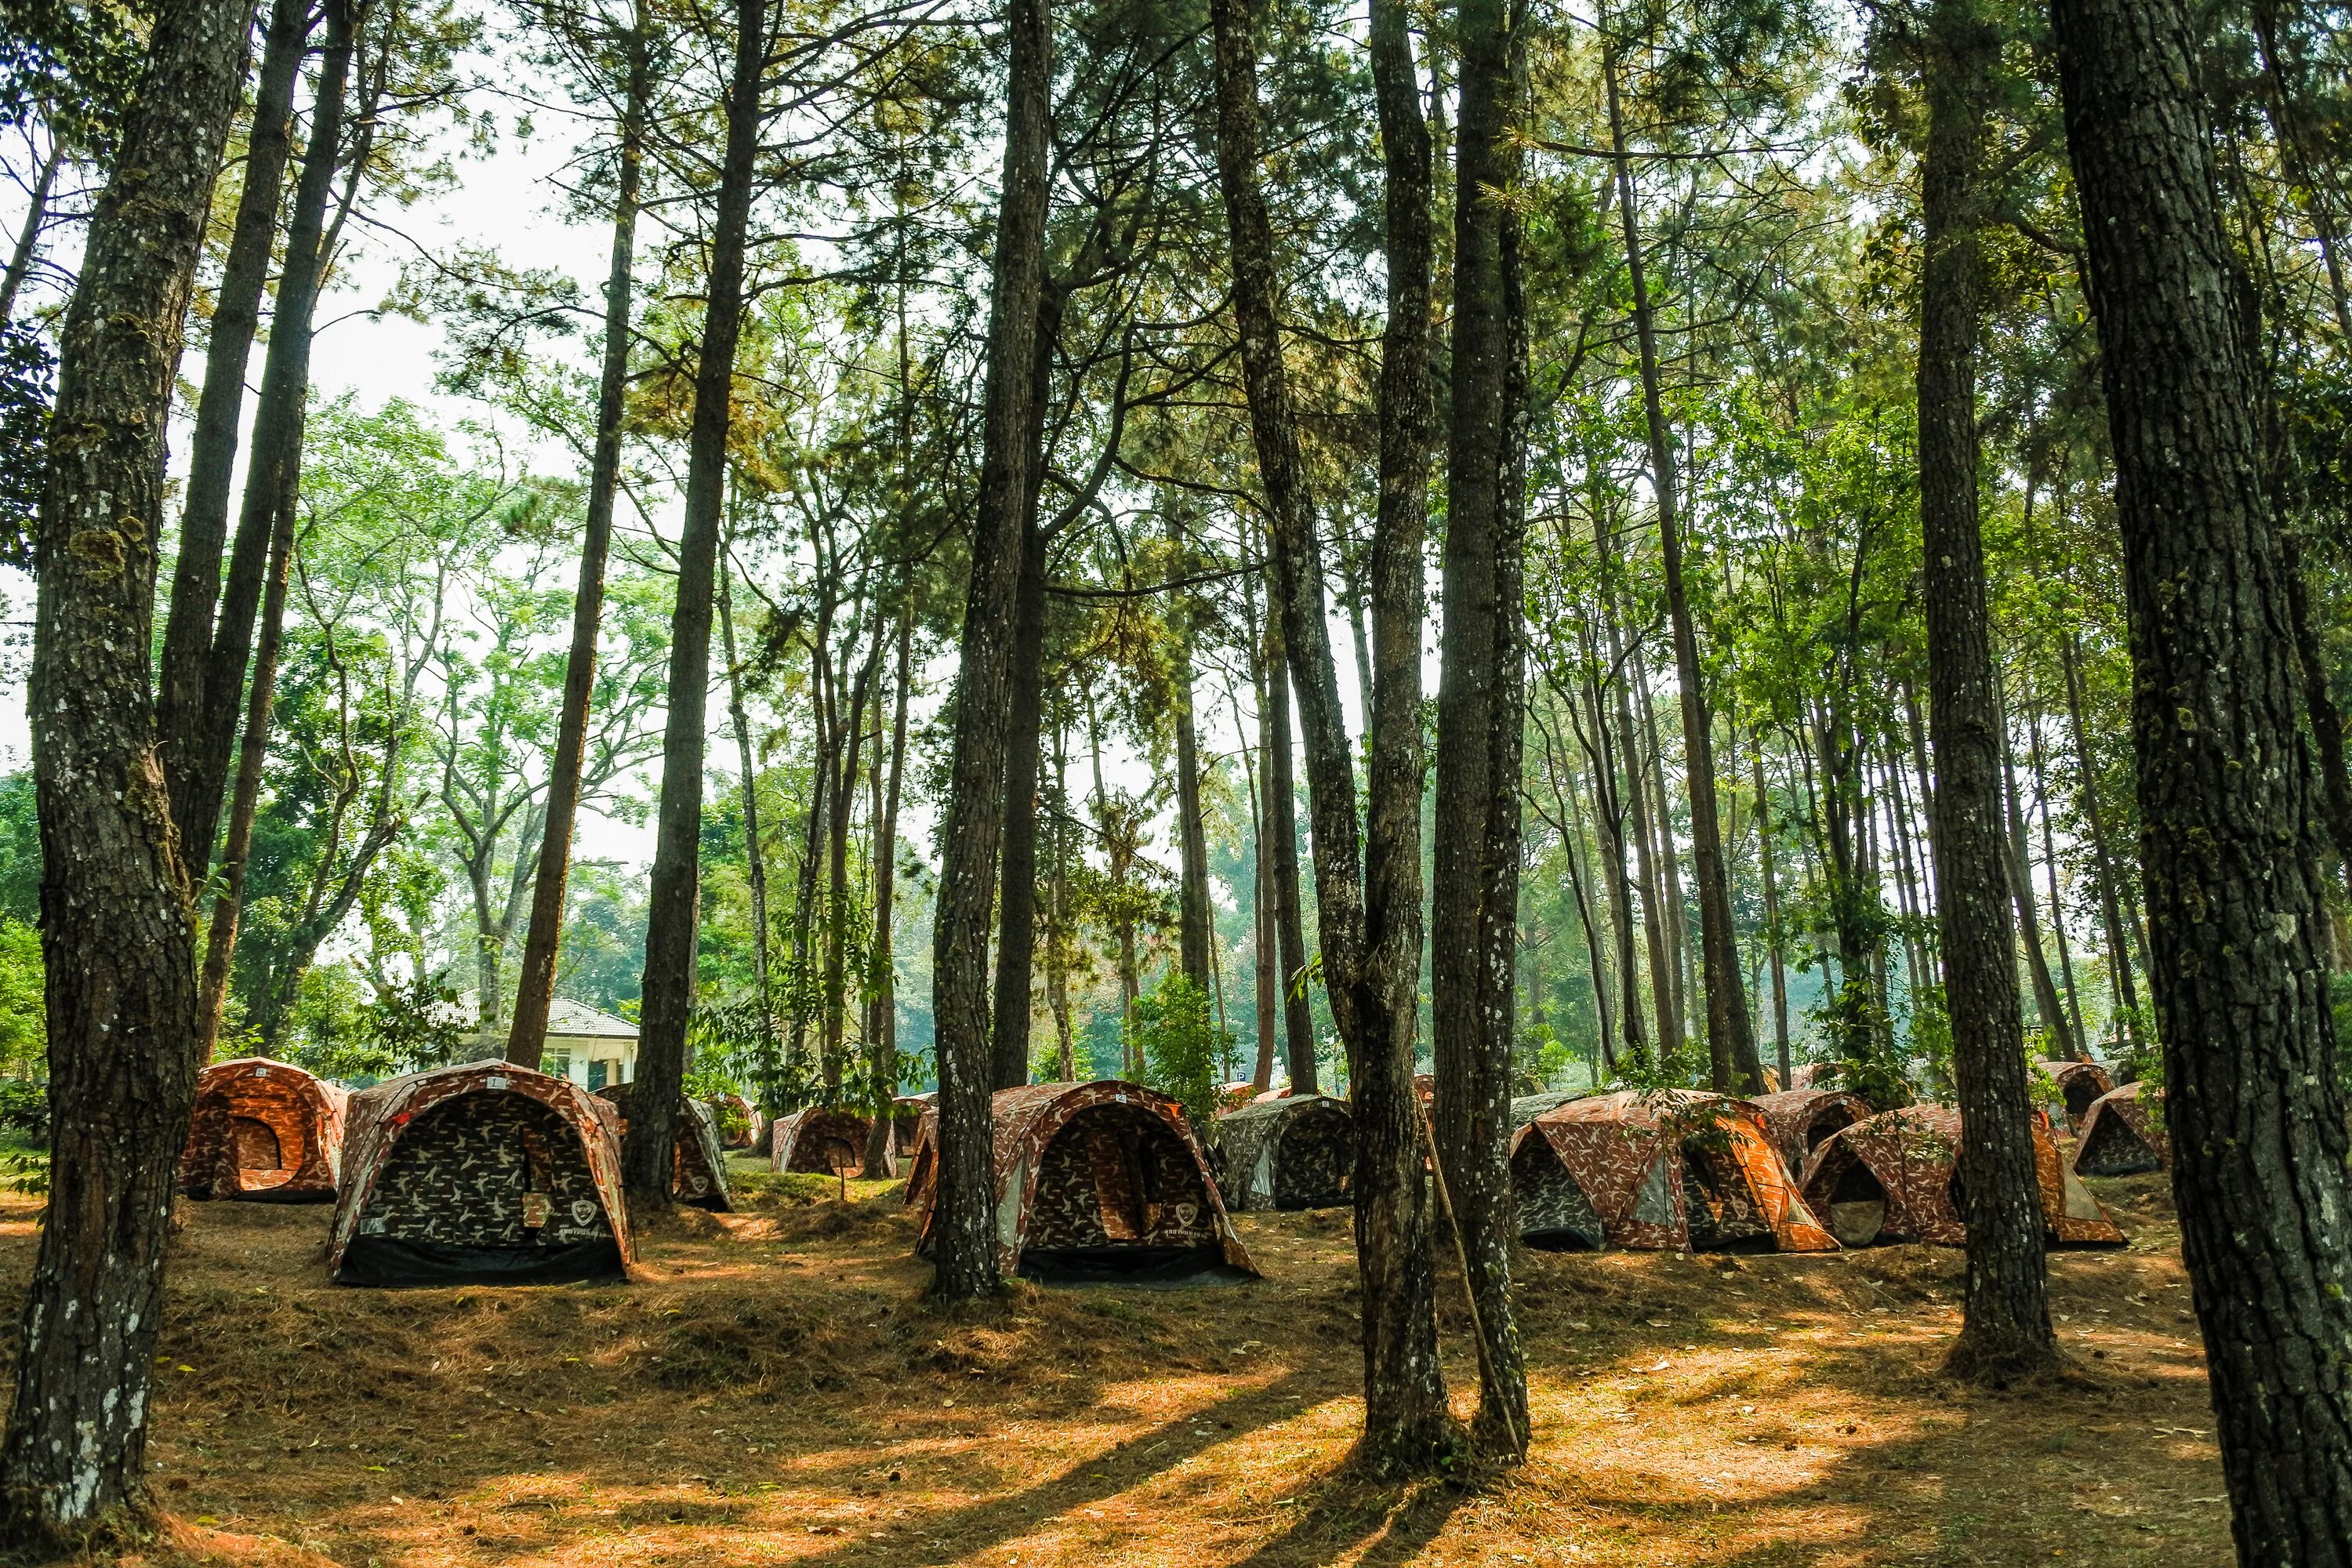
776 1391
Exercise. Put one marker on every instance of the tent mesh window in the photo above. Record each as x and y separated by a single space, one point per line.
1116 1177
1554 1212
2111 1146
487 1170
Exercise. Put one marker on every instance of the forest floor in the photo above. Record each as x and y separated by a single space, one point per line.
775 1390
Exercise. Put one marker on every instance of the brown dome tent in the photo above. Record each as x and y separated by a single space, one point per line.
266 1131
1095 1181
817 1141
1808 1074
1894 1177
737 1121
1799 1120
1297 1152
2080 1084
1680 1170
480 1174
698 1172
2123 1137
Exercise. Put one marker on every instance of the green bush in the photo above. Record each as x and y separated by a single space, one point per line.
1184 1049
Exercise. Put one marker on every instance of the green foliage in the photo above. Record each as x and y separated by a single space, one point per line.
24 1106
1185 1054
24 1012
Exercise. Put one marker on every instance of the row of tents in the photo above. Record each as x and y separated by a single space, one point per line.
484 1171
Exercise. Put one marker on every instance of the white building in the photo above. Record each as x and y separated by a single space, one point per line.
590 1048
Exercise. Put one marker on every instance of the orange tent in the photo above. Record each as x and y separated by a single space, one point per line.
1799 1120
264 1130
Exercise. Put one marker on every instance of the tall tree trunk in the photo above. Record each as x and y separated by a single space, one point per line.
1730 1033
673 901
1406 1424
1282 826
1295 554
2057 901
1059 922
196 750
117 937
220 407
1677 924
1016 941
228 903
1608 814
1267 962
1193 927
2058 1044
2005 1328
1655 914
535 993
1476 855
1773 944
747 766
882 982
2235 896
2103 861
836 932
973 821
36 217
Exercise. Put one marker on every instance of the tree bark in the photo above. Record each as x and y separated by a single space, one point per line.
2059 1045
2057 902
1730 1032
196 754
1282 826
1016 940
542 939
673 901
253 751
1296 553
2227 801
1773 914
117 937
882 982
2005 1328
1407 1428
220 407
1193 929
29 234
2119 958
1473 901
974 821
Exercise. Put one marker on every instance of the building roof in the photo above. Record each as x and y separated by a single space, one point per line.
565 1018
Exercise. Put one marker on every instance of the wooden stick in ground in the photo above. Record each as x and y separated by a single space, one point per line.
1462 1261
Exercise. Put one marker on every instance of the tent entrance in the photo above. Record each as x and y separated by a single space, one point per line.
1315 1159
481 1187
1826 1123
2112 1147
1717 1197
1120 1196
1555 1216
1857 1206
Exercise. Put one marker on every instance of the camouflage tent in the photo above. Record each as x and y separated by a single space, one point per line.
481 1173
1894 1177
1296 1152
2122 1136
697 1171
2080 1083
1095 1181
739 1120
907 1114
817 1141
1799 1120
1679 1170
264 1130
1808 1074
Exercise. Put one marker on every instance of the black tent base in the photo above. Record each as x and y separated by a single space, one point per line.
1156 1266
1560 1238
385 1260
